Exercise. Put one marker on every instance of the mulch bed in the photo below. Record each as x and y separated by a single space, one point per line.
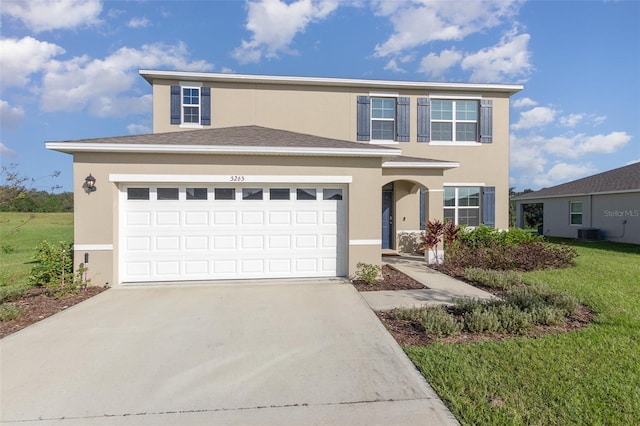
392 279
408 333
37 305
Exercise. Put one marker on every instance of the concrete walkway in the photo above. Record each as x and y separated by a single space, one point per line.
442 289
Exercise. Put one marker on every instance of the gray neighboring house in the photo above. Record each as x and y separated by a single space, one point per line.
603 206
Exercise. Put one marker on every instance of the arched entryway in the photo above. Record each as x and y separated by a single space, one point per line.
403 209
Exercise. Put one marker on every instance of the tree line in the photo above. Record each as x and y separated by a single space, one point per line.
17 193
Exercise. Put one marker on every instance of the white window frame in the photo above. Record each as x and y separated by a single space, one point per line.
454 120
572 213
394 98
198 87
456 207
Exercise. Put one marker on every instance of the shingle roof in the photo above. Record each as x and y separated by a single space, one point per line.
241 136
622 179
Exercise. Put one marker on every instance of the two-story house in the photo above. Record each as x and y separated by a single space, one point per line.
249 176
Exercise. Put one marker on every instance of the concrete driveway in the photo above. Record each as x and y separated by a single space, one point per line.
239 353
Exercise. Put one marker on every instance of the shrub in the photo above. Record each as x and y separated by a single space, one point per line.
512 319
9 312
481 320
519 257
547 315
12 292
494 279
433 320
367 272
53 262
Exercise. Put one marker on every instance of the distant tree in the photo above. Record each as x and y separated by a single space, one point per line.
18 195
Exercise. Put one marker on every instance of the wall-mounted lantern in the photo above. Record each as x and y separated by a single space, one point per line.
90 182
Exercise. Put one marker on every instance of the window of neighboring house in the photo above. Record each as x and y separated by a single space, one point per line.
575 212
191 105
454 120
462 205
383 119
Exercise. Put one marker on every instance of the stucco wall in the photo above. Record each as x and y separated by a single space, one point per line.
331 112
616 215
96 213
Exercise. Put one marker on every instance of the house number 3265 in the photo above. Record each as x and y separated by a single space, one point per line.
237 178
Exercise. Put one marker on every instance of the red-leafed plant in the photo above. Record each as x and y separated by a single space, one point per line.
432 237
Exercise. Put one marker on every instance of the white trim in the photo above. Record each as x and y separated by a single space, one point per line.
445 143
383 142
461 96
71 147
435 190
419 165
384 94
232 179
190 84
191 126
464 184
93 247
150 75
365 242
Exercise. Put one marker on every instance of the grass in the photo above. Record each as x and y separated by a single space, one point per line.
20 234
591 376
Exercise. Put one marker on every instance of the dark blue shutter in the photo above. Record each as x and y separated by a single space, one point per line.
364 118
486 121
175 105
403 120
424 118
205 106
489 206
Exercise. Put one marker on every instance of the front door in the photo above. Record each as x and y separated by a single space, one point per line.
387 217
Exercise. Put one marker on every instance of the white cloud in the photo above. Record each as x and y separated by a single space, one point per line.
274 24
44 15
435 65
392 65
571 120
23 57
100 84
138 22
508 59
136 129
526 156
416 22
563 172
5 150
10 116
574 146
535 117
523 103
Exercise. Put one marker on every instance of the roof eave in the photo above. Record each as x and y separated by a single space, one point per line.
418 165
581 194
70 148
150 75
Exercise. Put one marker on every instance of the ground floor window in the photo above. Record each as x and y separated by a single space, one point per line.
462 205
575 215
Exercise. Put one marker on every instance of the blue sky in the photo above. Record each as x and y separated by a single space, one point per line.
69 68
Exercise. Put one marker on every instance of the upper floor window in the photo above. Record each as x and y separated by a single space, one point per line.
190 105
383 119
455 121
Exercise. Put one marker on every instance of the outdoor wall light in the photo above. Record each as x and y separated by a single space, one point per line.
90 181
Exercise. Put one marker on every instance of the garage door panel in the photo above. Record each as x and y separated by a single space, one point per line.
173 240
252 218
164 218
196 218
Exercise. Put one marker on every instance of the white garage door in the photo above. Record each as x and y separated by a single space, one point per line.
203 232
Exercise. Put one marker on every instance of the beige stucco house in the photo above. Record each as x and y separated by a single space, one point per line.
250 176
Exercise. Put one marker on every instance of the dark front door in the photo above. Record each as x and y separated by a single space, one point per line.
387 218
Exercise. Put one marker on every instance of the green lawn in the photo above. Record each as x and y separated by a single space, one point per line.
18 242
587 377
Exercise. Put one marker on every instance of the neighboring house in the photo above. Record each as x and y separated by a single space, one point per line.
603 206
270 177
